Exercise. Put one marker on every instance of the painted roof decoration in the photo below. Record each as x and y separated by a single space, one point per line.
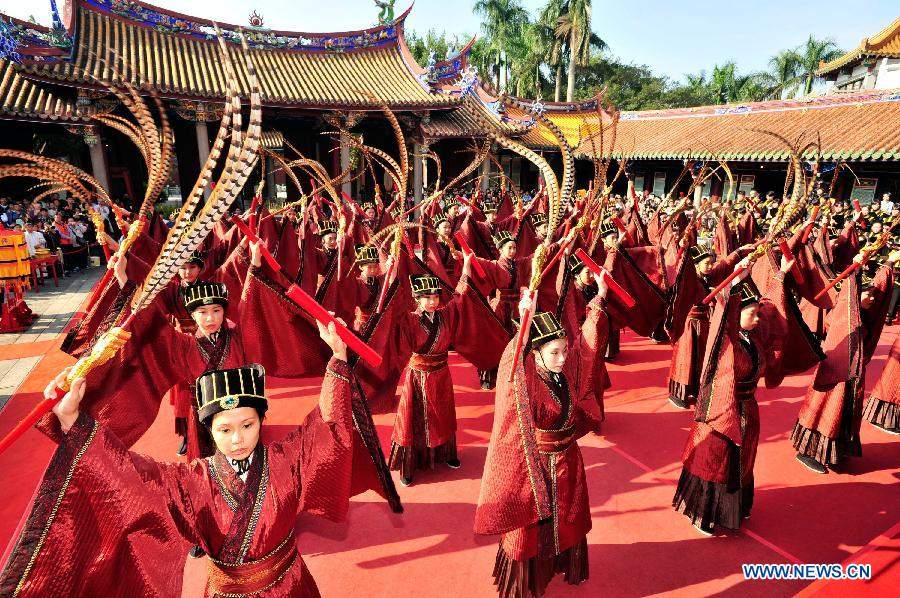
852 126
449 70
576 120
884 43
177 55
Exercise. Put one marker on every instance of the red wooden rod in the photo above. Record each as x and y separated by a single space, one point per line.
523 333
385 285
468 250
254 217
812 222
617 290
302 299
737 272
789 255
270 259
847 272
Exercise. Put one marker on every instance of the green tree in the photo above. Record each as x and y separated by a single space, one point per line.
556 53
574 24
503 23
812 54
783 77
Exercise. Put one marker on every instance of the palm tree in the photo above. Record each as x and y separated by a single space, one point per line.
812 54
556 50
783 77
528 54
574 24
503 23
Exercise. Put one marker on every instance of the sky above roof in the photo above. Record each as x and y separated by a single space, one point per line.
673 38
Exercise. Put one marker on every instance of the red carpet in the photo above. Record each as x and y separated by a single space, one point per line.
639 546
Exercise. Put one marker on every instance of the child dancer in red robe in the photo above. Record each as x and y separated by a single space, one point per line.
533 491
120 520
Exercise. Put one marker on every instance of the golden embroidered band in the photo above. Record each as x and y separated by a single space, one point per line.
428 363
227 579
555 441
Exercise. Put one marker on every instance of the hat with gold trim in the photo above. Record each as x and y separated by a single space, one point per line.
545 328
366 254
204 293
502 238
575 264
221 390
488 206
607 228
749 294
327 227
425 284
538 218
699 253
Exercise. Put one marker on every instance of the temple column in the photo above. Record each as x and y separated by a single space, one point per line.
485 172
98 157
345 162
418 178
202 146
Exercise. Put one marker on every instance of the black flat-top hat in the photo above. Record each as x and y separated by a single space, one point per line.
488 206
204 293
425 284
749 294
545 328
221 390
366 254
575 265
502 238
327 227
538 218
198 258
607 228
699 253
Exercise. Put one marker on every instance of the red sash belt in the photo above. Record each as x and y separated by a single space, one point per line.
428 363
555 441
252 576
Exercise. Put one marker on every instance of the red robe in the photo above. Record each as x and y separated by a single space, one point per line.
425 426
883 408
121 523
689 346
533 490
716 483
830 418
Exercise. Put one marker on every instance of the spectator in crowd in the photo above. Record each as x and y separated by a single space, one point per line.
34 239
887 206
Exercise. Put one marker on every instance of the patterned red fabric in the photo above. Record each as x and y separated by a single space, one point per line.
747 229
887 389
638 272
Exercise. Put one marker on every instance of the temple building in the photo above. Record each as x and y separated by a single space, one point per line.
873 64
51 84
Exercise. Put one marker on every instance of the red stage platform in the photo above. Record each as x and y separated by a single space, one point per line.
639 546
